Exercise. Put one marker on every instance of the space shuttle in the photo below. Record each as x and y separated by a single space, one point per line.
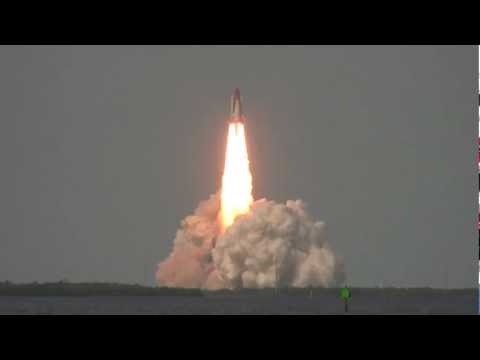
236 114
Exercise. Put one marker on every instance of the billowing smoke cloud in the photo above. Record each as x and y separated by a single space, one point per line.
190 262
272 245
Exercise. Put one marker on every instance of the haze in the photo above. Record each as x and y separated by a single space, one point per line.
104 149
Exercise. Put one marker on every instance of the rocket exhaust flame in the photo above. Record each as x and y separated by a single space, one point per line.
236 194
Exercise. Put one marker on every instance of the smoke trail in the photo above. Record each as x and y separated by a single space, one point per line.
271 245
190 262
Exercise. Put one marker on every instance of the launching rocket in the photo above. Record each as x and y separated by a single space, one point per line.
236 107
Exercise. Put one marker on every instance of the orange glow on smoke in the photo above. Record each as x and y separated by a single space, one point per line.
236 196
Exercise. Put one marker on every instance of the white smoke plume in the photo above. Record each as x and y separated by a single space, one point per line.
273 245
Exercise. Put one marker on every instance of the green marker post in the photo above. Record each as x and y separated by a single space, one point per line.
345 295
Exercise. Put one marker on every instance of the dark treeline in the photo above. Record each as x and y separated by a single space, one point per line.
90 289
64 288
317 291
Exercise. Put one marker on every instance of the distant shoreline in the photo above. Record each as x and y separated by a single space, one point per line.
114 289
90 289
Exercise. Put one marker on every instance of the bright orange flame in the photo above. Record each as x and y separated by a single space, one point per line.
237 179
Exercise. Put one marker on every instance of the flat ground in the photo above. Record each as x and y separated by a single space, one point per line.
365 301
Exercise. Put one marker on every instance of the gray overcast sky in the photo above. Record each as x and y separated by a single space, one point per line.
104 149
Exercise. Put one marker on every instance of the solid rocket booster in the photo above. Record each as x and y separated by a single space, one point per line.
236 107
